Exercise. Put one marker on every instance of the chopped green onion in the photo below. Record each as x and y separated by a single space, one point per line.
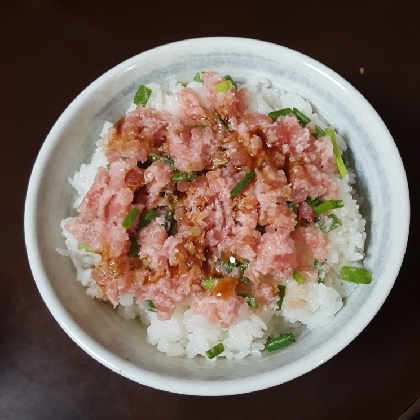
169 219
279 342
184 176
197 78
223 86
356 275
149 216
84 247
108 166
129 219
173 230
215 351
302 118
168 161
243 265
298 277
154 158
242 183
149 306
142 95
227 77
282 292
245 279
319 132
328 205
250 298
134 250
328 223
226 265
338 158
322 268
344 160
280 113
314 202
209 283
261 229
221 121
292 206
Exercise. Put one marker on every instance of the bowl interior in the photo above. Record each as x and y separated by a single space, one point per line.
120 344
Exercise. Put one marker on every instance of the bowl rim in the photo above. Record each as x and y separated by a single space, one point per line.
167 382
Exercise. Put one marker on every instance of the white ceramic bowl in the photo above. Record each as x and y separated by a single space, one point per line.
121 345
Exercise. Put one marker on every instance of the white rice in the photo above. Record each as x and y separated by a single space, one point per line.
308 305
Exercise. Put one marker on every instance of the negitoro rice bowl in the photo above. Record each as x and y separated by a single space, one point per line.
221 213
218 202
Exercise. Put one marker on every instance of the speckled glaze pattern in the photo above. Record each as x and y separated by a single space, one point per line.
121 345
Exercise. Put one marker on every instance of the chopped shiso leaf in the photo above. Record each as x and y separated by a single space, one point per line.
134 250
197 78
328 205
129 219
298 277
261 229
280 113
221 121
338 158
282 292
142 95
215 351
250 298
209 283
148 217
184 176
84 247
322 269
328 223
247 179
279 342
227 77
356 275
149 306
224 86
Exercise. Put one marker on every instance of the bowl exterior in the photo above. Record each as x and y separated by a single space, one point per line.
120 344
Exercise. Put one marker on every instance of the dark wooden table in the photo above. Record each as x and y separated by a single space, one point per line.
50 51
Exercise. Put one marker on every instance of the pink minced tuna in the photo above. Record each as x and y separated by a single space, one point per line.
190 236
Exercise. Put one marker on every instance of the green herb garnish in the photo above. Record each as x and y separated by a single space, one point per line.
328 205
338 158
227 77
224 86
250 298
178 176
356 275
209 283
215 351
197 78
134 250
129 218
148 217
142 95
282 292
243 183
298 277
279 342
321 267
149 306
84 247
328 223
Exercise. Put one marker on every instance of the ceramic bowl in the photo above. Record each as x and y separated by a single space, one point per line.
120 345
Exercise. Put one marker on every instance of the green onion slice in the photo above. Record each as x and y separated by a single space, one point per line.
227 77
142 95
328 205
338 158
224 86
129 218
184 176
215 351
197 78
322 269
280 113
209 283
247 179
279 342
314 202
282 293
149 306
148 217
298 277
356 275
85 247
243 265
245 279
226 265
292 206
134 250
221 121
328 223
250 298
